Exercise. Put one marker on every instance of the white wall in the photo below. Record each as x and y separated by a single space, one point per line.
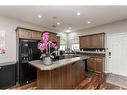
112 28
9 25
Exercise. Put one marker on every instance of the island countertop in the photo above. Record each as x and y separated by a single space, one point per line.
56 64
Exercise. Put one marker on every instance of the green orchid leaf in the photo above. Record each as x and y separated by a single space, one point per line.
43 55
51 56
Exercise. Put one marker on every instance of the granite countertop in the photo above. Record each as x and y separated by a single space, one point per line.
56 64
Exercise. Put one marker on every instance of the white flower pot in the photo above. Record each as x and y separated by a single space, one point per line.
47 61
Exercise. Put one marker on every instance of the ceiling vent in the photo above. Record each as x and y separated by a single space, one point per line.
54 26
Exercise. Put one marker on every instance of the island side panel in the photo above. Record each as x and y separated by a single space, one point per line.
43 79
66 77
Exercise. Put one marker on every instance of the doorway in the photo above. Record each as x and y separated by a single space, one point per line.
117 53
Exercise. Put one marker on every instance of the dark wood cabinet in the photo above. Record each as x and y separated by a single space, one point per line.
36 35
28 34
95 64
52 36
99 65
100 40
91 63
92 41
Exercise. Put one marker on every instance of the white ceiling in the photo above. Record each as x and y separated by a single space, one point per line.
66 15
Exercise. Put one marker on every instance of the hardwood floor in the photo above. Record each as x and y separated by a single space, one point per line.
95 81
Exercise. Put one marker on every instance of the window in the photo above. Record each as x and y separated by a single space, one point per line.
75 47
2 42
62 44
75 44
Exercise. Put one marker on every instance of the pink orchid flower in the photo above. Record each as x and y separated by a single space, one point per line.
52 44
42 46
45 37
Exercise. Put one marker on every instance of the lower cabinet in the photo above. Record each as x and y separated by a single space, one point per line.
95 64
7 76
91 64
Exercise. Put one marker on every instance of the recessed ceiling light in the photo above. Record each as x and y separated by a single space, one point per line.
78 13
58 23
39 16
67 31
88 22
69 28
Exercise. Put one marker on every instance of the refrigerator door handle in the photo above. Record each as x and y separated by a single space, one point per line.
31 54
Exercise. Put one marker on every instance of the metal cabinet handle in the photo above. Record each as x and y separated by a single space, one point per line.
0 67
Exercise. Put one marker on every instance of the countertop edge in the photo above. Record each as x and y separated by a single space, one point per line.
52 67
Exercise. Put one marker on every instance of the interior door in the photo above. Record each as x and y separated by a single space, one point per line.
117 53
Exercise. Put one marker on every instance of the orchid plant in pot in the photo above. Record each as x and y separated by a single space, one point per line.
45 47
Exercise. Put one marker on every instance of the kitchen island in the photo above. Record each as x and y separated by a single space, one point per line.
62 74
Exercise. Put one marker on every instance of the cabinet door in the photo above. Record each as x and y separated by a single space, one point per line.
84 42
24 34
100 40
52 36
36 35
99 65
91 64
94 41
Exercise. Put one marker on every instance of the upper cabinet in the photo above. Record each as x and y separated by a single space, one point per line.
52 36
84 42
28 34
101 40
36 35
92 41
24 34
